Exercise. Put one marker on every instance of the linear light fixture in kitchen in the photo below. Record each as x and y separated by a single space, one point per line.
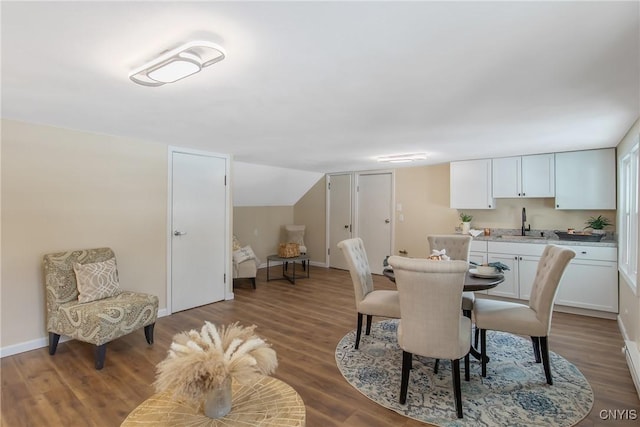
178 63
402 158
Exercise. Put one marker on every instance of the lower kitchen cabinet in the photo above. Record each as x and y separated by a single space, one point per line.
590 283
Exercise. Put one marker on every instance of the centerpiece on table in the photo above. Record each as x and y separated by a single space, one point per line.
200 366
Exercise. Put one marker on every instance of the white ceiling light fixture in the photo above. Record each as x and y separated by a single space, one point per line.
178 63
402 158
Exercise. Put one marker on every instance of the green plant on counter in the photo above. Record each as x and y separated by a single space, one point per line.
465 217
597 223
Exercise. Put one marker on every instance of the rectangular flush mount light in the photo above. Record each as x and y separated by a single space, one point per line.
402 158
178 63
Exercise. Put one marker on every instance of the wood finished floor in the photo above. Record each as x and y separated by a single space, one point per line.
304 323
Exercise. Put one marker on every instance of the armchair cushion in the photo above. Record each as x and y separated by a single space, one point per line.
243 254
97 280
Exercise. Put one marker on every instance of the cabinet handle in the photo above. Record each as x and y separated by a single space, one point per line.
518 194
520 258
523 194
489 205
557 206
583 252
515 257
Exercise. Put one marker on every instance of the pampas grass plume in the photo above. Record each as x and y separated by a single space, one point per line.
198 362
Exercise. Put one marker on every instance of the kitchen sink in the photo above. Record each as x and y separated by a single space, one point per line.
510 237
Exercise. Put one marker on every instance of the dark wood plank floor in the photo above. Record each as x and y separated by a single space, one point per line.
304 323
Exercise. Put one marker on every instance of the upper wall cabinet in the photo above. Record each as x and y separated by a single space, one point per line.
524 176
471 184
586 179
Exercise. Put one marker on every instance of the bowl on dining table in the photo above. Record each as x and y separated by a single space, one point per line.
486 270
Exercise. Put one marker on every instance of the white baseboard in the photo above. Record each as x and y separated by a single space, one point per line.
10 350
632 354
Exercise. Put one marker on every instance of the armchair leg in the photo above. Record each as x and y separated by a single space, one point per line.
148 333
369 317
53 342
404 382
358 330
253 282
101 351
457 390
536 348
544 347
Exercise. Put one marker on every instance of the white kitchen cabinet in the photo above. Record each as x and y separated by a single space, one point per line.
478 252
518 280
591 280
470 184
586 179
523 176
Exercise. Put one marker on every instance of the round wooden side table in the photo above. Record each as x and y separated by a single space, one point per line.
266 403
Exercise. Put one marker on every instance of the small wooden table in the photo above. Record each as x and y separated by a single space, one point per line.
304 259
267 403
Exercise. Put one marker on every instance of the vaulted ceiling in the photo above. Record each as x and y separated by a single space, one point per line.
328 86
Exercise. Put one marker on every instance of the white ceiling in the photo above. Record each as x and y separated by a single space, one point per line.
327 86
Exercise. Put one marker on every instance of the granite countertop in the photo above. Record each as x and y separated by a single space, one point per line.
551 238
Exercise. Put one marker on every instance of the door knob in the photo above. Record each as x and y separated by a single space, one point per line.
179 233
346 226
386 221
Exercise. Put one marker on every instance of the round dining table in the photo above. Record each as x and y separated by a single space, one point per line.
472 282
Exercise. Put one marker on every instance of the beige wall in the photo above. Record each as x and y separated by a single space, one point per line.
261 227
629 302
311 211
63 190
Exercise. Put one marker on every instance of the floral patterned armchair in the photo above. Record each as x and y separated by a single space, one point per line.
84 301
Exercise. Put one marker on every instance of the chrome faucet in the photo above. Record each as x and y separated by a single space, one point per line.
524 219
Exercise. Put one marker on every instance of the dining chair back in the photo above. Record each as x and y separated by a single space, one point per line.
533 319
368 301
431 323
457 247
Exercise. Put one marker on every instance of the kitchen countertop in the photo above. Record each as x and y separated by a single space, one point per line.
551 240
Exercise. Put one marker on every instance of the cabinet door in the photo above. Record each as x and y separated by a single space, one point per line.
470 184
589 284
527 267
506 177
538 175
586 179
508 288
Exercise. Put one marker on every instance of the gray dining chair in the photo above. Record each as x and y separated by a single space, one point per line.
369 302
533 319
431 323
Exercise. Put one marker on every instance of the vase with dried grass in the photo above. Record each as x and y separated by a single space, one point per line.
200 366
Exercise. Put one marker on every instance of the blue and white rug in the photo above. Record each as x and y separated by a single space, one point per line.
514 393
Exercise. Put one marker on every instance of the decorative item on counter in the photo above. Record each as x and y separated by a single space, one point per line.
597 224
475 233
200 366
466 222
499 267
487 232
437 255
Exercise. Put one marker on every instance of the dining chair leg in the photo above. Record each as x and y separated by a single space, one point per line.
466 367
483 351
544 347
404 382
477 336
435 366
455 371
358 330
536 348
369 318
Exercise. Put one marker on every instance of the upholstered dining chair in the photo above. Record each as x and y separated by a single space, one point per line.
533 319
431 323
458 248
85 302
369 302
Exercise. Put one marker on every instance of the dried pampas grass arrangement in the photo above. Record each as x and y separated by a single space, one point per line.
199 362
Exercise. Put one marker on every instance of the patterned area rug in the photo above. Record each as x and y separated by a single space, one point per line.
514 393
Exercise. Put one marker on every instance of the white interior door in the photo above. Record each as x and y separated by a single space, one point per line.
340 226
374 208
198 220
